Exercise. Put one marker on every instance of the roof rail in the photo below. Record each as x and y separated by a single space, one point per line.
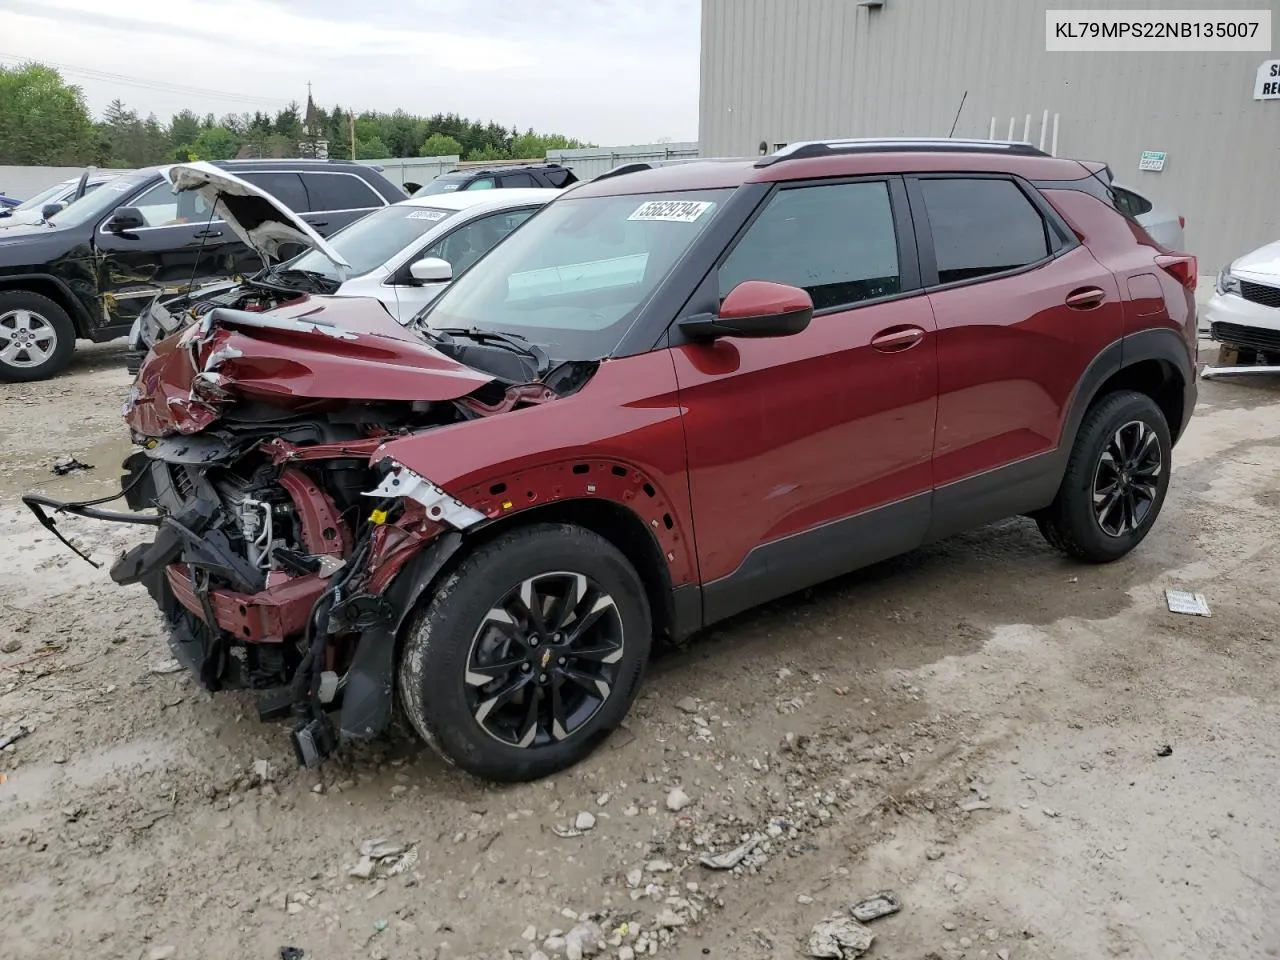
829 148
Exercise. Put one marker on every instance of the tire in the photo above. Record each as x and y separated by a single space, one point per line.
37 338
480 726
1072 523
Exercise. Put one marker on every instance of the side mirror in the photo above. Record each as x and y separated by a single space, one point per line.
431 270
49 209
754 308
125 219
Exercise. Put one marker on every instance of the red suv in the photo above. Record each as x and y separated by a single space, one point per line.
671 395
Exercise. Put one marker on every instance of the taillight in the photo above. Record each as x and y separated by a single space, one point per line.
1182 221
1182 268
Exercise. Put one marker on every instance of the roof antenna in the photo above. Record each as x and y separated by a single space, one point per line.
957 119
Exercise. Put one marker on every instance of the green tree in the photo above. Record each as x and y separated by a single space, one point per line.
42 119
489 152
216 143
373 149
440 145
183 128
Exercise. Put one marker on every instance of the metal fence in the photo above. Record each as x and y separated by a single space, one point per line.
593 161
417 170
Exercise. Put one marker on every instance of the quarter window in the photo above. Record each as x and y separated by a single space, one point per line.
339 191
1129 203
836 241
981 227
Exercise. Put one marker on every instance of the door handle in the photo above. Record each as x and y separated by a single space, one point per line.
208 233
897 339
1086 298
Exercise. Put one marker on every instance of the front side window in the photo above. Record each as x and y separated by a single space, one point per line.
469 243
161 207
575 277
981 227
484 183
837 241
373 240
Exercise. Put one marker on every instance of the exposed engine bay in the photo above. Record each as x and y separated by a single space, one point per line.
282 518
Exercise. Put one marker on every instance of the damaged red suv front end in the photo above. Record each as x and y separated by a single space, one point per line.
267 464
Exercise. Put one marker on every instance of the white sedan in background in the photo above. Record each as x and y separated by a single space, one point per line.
402 255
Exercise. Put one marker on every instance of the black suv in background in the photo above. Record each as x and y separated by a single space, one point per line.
88 272
490 178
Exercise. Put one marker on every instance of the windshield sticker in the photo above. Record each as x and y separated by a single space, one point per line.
672 211
432 215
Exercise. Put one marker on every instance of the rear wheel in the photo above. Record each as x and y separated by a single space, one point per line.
1116 480
530 652
37 337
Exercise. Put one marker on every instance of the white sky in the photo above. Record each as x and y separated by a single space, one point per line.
608 71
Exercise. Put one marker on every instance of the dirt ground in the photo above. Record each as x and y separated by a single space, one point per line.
977 727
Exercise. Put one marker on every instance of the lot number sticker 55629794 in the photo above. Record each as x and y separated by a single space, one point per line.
673 211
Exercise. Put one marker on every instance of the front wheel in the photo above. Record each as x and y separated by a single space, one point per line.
530 652
1116 480
37 337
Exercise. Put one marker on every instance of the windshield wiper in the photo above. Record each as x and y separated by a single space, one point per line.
511 341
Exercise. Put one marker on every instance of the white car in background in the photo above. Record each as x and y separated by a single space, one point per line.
402 255
41 206
1245 308
1162 224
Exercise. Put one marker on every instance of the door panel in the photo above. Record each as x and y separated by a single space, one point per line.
178 244
788 438
1011 348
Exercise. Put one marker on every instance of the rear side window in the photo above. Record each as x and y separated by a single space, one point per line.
981 227
340 191
517 180
837 241
285 187
1129 203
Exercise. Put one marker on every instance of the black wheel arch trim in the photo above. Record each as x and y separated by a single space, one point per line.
80 316
370 690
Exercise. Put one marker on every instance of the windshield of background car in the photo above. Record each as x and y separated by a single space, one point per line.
45 196
445 184
373 240
94 206
575 277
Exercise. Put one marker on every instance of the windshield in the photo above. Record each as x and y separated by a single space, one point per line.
574 277
373 240
94 206
443 184
45 196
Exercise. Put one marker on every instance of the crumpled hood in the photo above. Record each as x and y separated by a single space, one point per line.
335 349
1263 262
256 217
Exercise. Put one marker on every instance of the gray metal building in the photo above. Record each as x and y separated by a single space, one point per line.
777 71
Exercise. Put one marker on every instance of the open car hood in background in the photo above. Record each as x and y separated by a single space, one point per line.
258 218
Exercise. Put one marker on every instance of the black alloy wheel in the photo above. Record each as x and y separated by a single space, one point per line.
1127 479
544 660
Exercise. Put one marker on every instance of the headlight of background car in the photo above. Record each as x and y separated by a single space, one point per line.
1227 283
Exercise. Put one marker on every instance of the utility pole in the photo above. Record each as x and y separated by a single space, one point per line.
351 127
